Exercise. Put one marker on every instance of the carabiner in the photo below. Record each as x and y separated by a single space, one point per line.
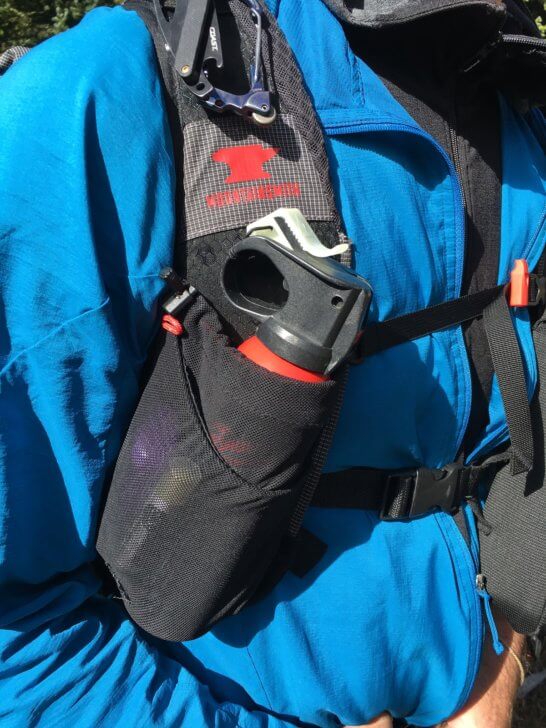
192 37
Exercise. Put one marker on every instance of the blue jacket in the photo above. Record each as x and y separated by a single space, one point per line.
391 619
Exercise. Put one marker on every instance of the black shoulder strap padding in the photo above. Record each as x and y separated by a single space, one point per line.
540 269
285 81
181 107
306 552
513 553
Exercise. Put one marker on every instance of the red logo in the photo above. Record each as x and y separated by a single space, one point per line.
245 195
245 162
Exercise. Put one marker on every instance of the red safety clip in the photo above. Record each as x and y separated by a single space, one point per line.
172 325
519 284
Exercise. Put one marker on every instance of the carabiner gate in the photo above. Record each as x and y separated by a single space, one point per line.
192 37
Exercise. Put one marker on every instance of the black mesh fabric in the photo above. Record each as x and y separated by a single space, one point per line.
207 480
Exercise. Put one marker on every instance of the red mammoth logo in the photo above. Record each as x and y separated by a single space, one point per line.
246 163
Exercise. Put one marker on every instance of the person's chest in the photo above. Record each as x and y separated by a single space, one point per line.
402 204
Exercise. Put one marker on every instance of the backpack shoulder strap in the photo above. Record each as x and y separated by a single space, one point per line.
297 131
184 104
288 86
181 107
11 56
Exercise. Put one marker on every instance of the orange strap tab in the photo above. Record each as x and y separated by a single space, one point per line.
519 284
172 325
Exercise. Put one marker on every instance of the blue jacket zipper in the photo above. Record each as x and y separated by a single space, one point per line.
480 595
460 234
486 599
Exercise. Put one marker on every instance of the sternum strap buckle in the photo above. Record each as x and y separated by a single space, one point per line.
416 492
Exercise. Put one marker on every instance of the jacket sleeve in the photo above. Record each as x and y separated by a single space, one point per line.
86 222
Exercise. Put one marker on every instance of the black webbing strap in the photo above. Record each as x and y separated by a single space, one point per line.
413 493
403 494
416 492
305 551
385 334
510 371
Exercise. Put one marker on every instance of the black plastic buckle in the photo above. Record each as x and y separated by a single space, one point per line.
183 292
428 489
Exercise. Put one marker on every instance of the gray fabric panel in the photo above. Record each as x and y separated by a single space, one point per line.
9 57
378 13
236 173
513 555
284 77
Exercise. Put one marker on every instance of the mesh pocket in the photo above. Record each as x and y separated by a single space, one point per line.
207 480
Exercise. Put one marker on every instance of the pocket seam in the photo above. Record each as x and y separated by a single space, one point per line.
265 416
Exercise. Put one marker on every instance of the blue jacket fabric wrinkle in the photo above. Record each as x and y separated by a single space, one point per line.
390 619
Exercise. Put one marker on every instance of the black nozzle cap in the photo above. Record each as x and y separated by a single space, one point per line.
321 317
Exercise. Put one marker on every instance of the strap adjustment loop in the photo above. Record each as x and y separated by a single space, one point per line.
537 290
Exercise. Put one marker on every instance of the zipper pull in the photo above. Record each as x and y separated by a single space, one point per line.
486 597
484 53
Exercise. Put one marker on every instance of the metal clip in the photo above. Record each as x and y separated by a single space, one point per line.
192 37
183 292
